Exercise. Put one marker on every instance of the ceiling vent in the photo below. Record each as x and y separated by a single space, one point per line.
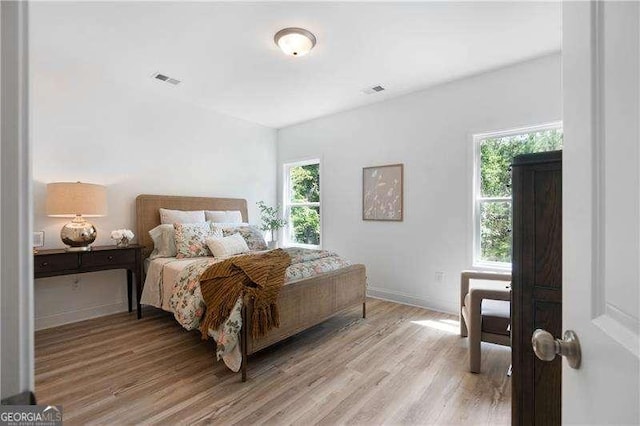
372 90
166 79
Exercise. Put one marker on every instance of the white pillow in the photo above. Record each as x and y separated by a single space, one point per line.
227 246
181 216
164 241
215 216
234 216
222 216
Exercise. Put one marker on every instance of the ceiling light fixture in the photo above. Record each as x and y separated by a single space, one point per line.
295 41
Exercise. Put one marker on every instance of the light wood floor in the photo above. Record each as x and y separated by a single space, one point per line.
401 365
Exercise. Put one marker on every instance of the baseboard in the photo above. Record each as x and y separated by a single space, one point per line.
438 305
377 293
80 315
23 398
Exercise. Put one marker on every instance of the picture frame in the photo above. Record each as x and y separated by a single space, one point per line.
383 193
38 240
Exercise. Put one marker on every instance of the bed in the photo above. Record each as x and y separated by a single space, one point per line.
302 303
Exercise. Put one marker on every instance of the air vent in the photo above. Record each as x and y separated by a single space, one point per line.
374 89
166 79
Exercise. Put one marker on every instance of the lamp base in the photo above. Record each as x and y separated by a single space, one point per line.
83 248
78 234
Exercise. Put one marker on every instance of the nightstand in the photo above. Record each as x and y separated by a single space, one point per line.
51 263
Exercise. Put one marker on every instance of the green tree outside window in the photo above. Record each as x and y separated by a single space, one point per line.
304 204
494 200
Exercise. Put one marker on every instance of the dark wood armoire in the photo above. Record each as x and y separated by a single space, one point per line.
537 285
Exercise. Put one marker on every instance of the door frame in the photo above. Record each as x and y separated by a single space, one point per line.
16 258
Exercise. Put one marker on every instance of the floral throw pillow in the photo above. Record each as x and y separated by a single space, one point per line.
253 237
191 239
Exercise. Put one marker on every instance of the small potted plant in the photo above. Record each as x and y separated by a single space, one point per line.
271 221
122 237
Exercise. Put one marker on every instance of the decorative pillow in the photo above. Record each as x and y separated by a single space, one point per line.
253 237
227 246
164 241
181 216
223 225
190 239
234 216
222 216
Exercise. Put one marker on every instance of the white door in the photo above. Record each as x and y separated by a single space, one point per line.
601 210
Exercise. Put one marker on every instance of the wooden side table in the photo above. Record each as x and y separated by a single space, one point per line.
51 263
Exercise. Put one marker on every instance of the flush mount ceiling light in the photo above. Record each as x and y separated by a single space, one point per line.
295 41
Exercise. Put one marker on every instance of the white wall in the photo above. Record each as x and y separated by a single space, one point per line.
430 132
133 141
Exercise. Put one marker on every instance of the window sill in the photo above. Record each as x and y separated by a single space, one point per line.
307 246
488 267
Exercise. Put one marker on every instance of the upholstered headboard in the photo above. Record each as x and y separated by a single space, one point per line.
148 211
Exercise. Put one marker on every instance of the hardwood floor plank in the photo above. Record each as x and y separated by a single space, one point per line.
401 365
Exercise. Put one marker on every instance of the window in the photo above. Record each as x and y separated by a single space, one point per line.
302 203
492 190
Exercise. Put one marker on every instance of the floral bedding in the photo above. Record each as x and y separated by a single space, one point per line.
188 305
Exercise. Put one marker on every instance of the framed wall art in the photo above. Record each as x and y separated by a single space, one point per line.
382 193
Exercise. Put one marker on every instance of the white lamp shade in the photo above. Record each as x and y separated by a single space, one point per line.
68 199
295 41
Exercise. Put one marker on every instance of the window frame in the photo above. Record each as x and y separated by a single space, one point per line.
478 199
287 204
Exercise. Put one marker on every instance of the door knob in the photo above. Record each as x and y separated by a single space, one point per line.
546 347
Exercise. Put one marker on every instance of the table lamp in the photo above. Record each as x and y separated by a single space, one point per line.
77 200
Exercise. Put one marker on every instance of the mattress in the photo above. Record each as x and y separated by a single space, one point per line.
161 277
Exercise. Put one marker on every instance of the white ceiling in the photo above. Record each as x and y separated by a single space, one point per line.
227 61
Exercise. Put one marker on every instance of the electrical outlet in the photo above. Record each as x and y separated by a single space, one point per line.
439 277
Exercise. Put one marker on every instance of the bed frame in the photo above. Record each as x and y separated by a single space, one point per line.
302 304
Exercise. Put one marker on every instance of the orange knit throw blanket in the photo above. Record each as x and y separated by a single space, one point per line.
259 276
